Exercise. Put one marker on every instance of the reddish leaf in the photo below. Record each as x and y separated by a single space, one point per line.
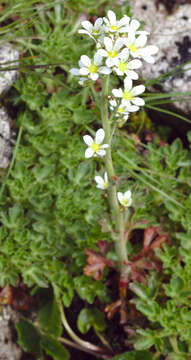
149 234
96 264
159 241
112 308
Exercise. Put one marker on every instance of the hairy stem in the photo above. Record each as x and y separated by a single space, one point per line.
117 214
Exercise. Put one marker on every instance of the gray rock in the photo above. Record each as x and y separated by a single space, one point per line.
9 350
5 137
172 34
8 57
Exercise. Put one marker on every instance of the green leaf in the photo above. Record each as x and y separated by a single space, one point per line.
91 317
134 355
84 321
53 348
29 337
50 318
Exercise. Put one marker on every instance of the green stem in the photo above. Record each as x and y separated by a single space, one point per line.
120 246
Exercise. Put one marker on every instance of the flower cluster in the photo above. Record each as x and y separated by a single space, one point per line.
120 49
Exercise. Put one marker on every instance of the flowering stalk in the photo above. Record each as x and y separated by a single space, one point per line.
118 215
120 50
112 191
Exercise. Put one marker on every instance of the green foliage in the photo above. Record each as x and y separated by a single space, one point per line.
91 317
33 341
29 337
50 208
50 318
135 355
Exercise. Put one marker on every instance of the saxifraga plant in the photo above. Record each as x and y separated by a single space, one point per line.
120 49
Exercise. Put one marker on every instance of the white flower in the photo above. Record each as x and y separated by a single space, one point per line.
125 199
121 111
133 27
129 95
138 49
112 50
93 31
102 183
94 145
123 67
90 68
114 26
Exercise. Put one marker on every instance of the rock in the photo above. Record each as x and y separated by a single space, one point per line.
171 33
5 137
9 350
8 55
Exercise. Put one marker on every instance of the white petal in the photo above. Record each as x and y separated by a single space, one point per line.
102 52
134 64
89 153
141 41
132 108
137 90
88 140
112 17
85 60
101 152
109 62
105 177
87 25
132 74
118 71
131 37
84 71
98 23
75 71
128 84
120 197
124 55
83 32
113 103
94 76
108 43
151 49
99 180
138 101
134 25
127 195
100 134
106 21
97 59
149 59
117 92
118 44
124 29
124 21
105 70
104 146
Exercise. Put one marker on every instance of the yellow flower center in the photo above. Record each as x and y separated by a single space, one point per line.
125 202
120 109
112 53
95 32
105 184
127 95
95 147
114 27
132 48
93 68
122 66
